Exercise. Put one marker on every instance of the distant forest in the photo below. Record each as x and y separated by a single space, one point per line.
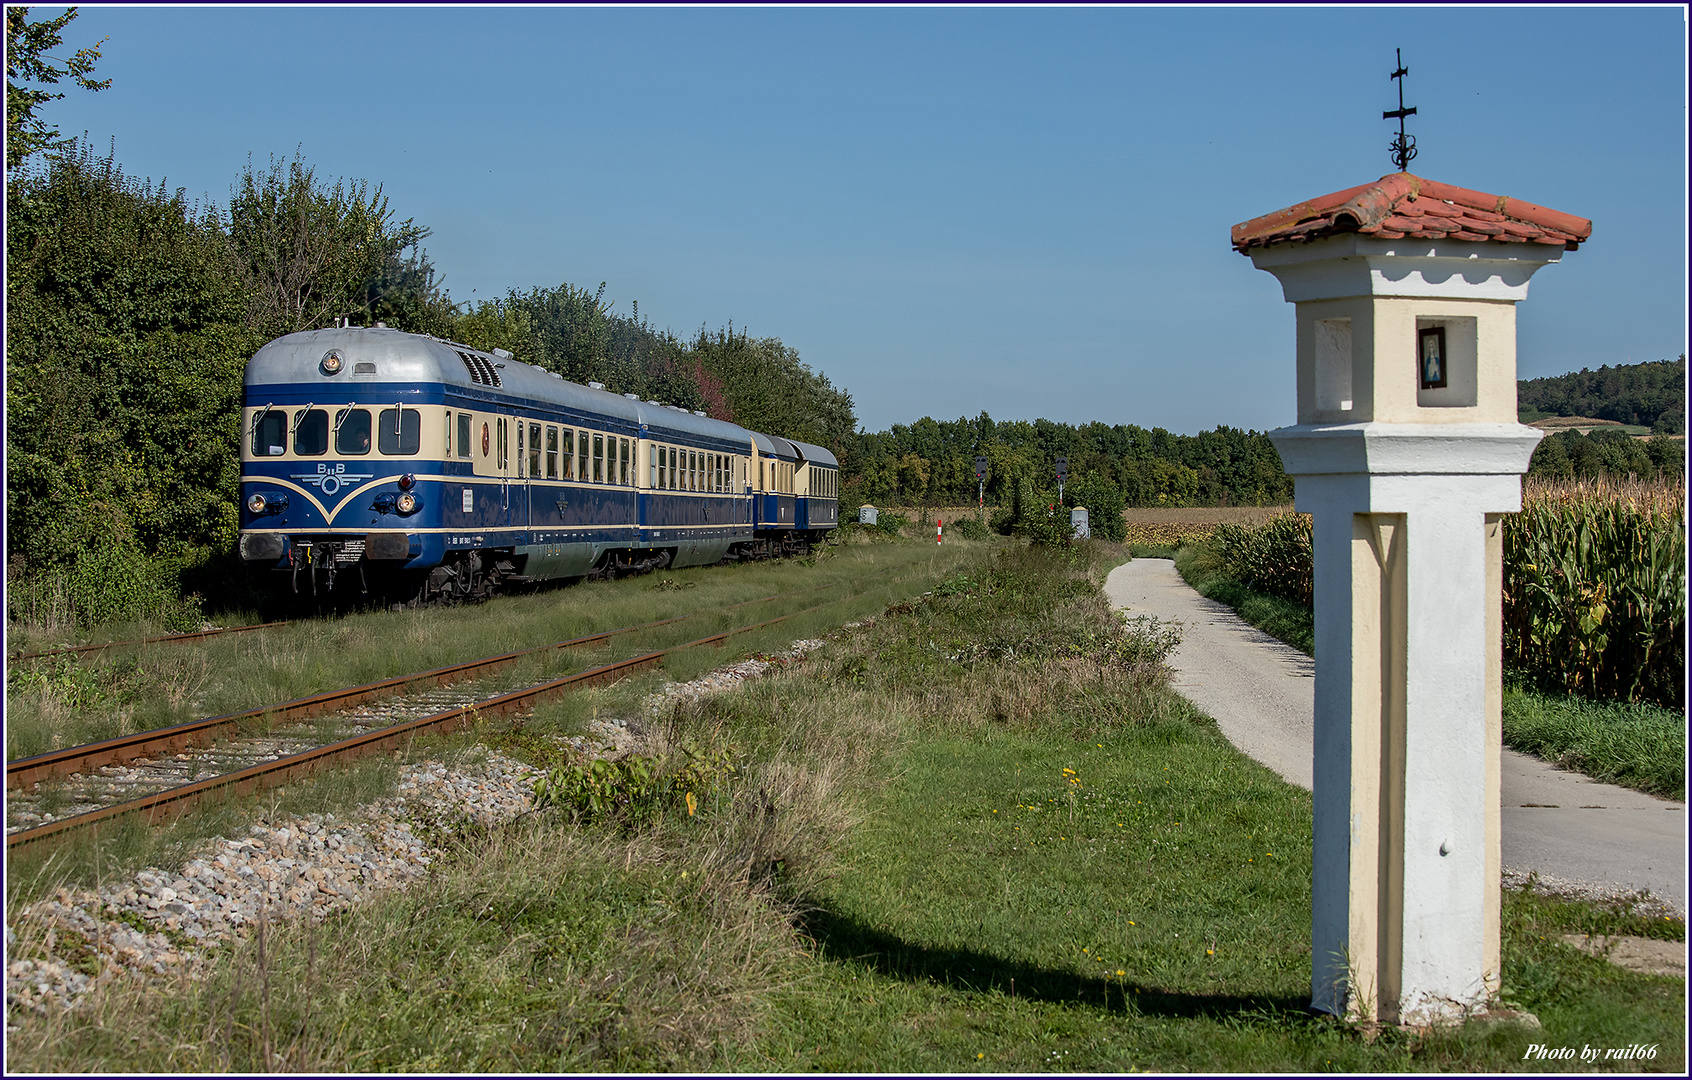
1650 395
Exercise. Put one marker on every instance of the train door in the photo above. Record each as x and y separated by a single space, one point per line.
510 486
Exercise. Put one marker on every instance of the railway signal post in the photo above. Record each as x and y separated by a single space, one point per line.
1407 453
1062 466
981 487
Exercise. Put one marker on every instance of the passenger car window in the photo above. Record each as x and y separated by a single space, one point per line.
352 431
311 432
582 456
534 450
270 434
551 453
623 462
598 458
397 431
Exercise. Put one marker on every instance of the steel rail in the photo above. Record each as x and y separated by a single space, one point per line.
172 638
173 740
172 802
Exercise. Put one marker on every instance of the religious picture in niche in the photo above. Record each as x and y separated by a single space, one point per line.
1432 340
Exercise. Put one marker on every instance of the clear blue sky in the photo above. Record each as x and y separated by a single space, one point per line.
1019 210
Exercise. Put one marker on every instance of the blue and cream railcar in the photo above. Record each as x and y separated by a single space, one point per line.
441 470
817 486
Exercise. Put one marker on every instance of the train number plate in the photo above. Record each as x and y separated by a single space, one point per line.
469 501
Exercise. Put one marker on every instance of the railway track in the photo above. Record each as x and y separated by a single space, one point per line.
265 747
198 635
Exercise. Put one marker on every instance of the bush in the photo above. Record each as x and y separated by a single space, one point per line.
115 583
968 529
1103 501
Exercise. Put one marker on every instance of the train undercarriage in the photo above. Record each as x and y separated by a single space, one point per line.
342 570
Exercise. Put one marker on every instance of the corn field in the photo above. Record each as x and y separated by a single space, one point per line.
1594 584
1595 589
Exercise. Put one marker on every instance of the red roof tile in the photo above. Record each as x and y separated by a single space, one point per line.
1403 205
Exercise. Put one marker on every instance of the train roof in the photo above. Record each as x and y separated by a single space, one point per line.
394 356
816 455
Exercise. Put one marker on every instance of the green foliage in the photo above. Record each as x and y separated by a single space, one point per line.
29 59
1607 453
1595 592
1103 500
124 356
1274 558
632 791
1650 394
931 463
967 528
311 253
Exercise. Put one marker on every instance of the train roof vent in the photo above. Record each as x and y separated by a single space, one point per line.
481 371
596 385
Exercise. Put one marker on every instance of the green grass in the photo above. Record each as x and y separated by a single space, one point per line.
901 877
1632 744
1281 619
59 702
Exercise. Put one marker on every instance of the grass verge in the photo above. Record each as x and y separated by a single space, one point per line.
1281 619
979 834
1628 743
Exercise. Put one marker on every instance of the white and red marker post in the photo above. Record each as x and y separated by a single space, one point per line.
937 530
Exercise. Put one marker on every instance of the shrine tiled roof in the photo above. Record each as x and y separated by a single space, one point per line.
1401 205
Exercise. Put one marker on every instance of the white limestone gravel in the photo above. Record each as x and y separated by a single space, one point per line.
161 922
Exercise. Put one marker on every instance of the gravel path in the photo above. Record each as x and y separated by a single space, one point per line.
1578 835
161 922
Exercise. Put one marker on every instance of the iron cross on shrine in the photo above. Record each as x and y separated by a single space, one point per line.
1404 146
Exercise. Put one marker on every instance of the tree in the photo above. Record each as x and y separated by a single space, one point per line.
28 59
310 253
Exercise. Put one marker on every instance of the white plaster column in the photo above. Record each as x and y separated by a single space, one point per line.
1406 831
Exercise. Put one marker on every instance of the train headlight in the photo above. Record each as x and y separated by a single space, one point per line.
267 503
406 503
331 364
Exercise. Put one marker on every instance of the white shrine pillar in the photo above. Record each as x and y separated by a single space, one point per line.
1407 453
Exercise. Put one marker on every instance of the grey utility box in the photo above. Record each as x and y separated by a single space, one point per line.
866 515
1078 526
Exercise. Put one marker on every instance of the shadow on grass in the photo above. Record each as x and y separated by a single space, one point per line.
844 939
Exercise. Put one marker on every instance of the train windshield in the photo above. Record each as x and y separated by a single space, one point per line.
311 432
270 433
352 431
397 431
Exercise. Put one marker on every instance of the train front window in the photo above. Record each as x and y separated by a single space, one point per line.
352 431
397 431
464 422
270 433
311 432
